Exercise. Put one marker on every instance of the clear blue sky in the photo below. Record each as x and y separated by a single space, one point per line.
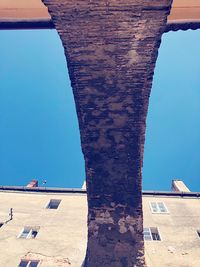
39 135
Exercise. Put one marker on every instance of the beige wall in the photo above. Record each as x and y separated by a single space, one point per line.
180 244
62 235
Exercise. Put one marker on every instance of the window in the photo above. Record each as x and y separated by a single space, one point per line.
29 232
29 263
33 263
151 234
158 207
53 203
198 232
23 263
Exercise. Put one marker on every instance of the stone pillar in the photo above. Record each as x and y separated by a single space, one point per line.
111 48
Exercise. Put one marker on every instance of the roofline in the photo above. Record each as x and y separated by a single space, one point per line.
171 193
43 23
83 191
183 25
42 189
26 24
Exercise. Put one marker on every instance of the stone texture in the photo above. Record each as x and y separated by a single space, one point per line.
111 48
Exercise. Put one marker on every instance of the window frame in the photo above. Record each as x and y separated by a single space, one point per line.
52 200
29 262
29 235
149 230
158 208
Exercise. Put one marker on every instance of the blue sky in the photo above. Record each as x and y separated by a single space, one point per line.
39 135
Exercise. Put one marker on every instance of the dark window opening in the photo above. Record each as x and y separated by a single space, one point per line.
54 203
151 234
29 263
29 232
198 232
155 234
23 263
34 233
34 263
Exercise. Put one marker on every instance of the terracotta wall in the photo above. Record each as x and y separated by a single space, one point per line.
34 9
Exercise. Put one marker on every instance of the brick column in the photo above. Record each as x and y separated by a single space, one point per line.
111 48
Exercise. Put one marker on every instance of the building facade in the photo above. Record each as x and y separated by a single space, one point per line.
179 243
48 227
39 233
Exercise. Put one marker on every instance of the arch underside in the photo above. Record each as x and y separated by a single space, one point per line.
111 49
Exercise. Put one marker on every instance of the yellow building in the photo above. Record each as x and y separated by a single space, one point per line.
48 227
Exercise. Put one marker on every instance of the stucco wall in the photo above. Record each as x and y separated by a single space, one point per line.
180 244
61 240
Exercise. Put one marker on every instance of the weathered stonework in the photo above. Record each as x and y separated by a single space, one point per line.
111 48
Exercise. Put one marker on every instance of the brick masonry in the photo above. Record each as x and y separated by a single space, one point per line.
111 48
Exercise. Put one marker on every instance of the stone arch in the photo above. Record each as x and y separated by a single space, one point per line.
111 49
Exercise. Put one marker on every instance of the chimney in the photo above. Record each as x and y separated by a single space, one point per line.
33 183
179 186
84 185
